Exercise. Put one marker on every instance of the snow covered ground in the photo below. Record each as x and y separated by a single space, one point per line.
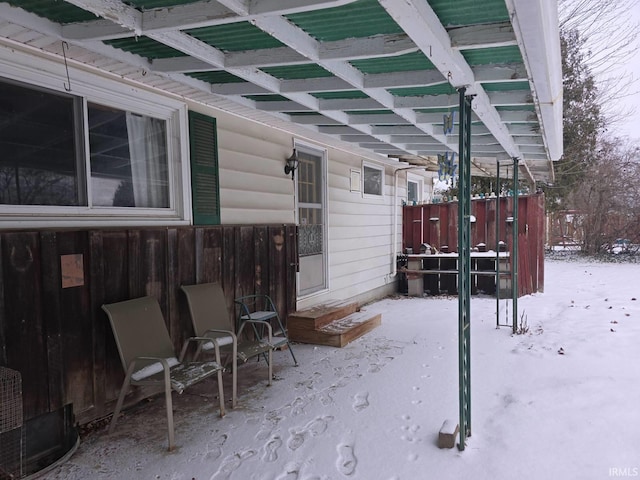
560 402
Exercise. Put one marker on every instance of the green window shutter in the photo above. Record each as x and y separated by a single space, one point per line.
205 185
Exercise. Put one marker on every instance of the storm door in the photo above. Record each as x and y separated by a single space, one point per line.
311 217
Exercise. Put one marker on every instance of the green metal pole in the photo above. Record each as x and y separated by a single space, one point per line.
498 244
514 247
464 267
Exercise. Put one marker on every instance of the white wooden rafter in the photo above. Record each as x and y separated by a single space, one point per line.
421 23
335 61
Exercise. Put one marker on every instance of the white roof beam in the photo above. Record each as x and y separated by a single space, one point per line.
313 120
421 23
180 17
282 56
319 84
396 130
282 106
519 116
266 57
338 130
536 28
362 48
309 47
377 119
180 64
418 78
499 73
482 36
238 88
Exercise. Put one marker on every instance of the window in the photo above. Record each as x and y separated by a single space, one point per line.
104 153
414 189
372 179
128 159
40 145
43 161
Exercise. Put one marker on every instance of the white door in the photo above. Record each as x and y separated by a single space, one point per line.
311 213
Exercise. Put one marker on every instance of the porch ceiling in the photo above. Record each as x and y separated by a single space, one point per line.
375 75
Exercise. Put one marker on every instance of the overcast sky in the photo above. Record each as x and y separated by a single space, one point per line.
631 127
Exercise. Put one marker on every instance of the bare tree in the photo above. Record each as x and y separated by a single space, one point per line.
609 36
609 196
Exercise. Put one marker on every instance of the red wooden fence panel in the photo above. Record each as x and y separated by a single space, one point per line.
437 225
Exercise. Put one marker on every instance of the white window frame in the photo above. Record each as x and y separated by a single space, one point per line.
419 181
381 169
30 71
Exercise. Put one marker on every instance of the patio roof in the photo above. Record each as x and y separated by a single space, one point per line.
374 75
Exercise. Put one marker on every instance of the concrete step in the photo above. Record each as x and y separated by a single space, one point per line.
337 333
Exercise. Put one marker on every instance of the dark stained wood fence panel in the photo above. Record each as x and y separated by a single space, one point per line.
23 319
60 339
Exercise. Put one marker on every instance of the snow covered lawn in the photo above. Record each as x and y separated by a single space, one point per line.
560 402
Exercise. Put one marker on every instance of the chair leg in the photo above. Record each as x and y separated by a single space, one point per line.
270 362
169 402
234 378
221 393
295 362
123 393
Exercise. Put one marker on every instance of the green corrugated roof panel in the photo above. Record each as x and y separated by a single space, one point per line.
469 12
441 89
362 18
295 72
369 112
58 12
506 86
402 63
234 37
497 55
267 98
515 108
145 47
438 110
340 95
217 76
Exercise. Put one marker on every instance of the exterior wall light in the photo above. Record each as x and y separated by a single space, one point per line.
292 164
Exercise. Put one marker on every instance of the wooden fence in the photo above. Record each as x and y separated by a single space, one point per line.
437 225
52 284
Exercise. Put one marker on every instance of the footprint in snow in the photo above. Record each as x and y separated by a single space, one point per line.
271 449
361 401
347 461
231 464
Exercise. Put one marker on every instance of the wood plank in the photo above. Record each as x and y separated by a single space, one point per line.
317 317
291 265
3 317
245 271
340 332
52 322
98 321
26 348
278 269
261 260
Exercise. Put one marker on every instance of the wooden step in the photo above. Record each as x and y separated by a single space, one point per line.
317 317
339 332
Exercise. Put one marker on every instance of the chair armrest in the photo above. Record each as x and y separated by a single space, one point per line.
217 335
200 340
161 360
258 322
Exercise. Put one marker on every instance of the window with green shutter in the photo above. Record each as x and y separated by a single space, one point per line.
205 185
